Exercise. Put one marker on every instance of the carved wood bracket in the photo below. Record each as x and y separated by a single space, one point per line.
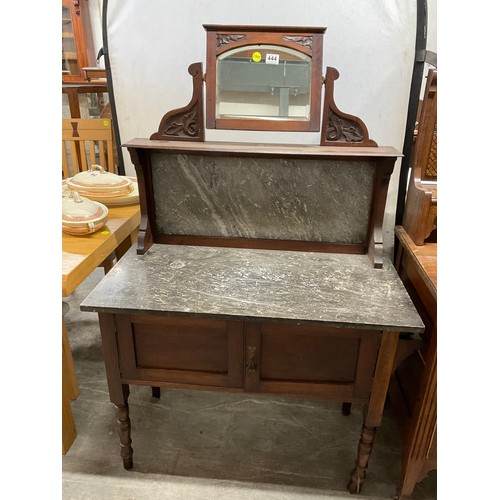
383 174
185 124
341 129
145 235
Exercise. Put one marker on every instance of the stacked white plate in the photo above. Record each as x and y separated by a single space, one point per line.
105 187
82 216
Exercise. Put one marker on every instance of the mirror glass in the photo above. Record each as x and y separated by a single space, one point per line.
263 81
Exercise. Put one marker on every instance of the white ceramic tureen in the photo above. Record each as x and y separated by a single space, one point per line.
81 215
98 183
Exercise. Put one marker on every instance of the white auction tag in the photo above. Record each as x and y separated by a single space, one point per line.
272 58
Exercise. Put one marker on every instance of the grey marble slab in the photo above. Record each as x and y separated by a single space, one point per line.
332 289
305 199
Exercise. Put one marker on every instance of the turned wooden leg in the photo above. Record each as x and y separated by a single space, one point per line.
375 408
346 409
365 447
123 421
156 392
118 392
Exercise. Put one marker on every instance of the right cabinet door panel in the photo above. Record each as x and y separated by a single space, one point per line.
290 358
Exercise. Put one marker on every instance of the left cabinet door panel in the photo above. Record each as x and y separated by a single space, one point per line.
180 350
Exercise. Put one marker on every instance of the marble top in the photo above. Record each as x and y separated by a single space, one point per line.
332 289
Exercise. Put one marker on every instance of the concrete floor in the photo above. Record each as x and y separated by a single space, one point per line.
205 445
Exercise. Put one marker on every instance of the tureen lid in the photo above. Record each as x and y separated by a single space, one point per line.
76 208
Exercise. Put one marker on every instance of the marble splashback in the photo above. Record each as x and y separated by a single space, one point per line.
269 198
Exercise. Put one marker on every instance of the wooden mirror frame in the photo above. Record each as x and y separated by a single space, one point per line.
307 40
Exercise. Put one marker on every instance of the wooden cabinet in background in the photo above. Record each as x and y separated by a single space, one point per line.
413 388
77 44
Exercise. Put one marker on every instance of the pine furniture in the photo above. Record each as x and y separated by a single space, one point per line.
81 255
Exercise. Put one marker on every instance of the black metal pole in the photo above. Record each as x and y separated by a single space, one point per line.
109 79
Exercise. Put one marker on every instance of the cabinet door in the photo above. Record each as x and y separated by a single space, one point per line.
77 46
311 360
180 351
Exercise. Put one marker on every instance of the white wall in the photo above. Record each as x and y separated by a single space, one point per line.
95 12
432 25
151 45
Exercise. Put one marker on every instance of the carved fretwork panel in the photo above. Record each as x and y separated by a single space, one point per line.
430 173
185 124
340 128
223 39
182 125
306 41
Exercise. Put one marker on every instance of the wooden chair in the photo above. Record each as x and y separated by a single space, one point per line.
85 142
420 215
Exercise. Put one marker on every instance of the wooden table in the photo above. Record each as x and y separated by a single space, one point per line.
413 388
81 255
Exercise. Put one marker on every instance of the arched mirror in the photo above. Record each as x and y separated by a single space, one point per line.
263 78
